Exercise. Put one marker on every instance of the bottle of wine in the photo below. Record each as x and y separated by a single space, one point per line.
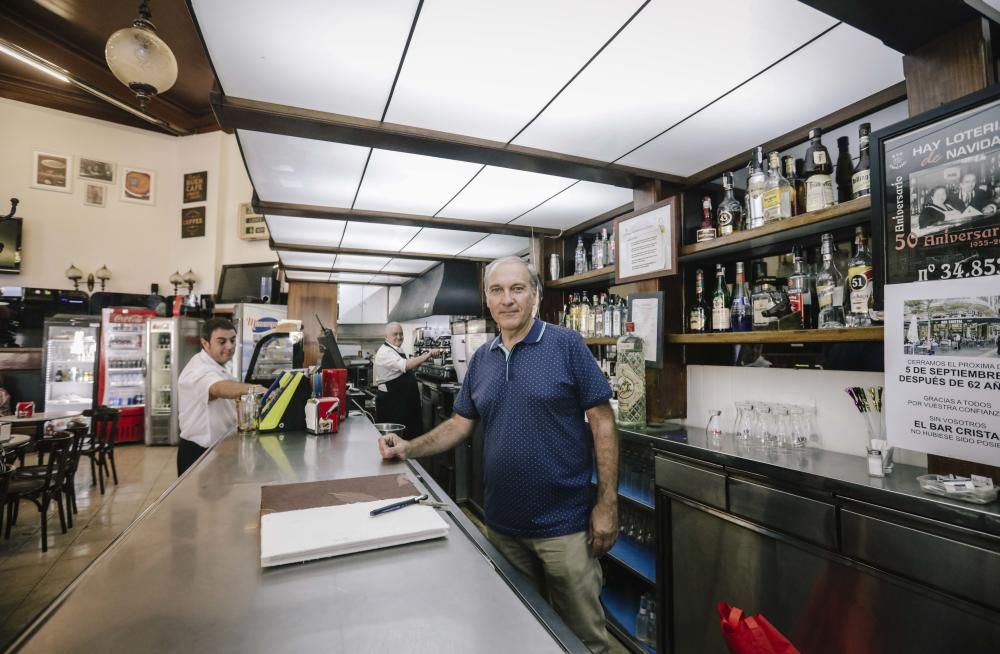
819 184
777 191
830 288
845 170
756 186
859 277
741 309
800 187
860 180
720 301
729 217
700 315
788 164
707 231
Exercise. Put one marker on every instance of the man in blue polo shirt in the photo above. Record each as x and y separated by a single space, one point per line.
531 387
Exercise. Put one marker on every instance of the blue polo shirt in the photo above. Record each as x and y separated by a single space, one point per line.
538 451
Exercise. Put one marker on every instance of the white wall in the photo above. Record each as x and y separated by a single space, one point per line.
139 244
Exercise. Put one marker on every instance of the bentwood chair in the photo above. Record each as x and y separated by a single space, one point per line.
68 484
6 472
100 446
42 491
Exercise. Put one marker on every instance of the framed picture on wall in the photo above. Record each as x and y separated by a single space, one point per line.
195 187
95 171
252 226
52 172
647 242
192 222
94 195
138 186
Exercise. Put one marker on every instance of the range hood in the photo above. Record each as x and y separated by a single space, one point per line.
450 288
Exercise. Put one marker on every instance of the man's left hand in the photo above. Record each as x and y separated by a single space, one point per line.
603 527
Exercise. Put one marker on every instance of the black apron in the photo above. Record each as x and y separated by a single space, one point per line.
400 402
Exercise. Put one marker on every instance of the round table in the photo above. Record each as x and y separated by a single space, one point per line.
39 420
14 442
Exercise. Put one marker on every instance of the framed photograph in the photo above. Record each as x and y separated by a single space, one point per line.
192 222
645 310
95 171
138 185
252 226
52 172
647 241
195 187
94 195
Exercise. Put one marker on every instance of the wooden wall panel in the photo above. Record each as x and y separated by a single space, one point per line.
305 301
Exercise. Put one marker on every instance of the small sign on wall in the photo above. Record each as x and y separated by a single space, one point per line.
192 222
252 226
195 187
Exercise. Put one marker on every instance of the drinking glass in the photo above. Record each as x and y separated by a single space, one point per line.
743 425
714 428
763 434
798 427
781 435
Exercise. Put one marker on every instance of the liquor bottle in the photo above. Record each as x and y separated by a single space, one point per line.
611 250
860 180
571 313
579 257
756 185
741 309
819 184
845 170
800 187
777 191
599 316
585 316
859 277
700 314
608 257
631 371
609 318
597 253
801 291
788 165
829 289
720 301
730 214
617 321
765 296
623 314
707 231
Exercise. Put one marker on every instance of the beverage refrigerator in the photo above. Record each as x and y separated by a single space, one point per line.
69 362
170 344
122 375
252 321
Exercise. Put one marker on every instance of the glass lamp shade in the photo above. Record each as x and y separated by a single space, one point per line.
190 278
176 278
73 273
141 60
103 274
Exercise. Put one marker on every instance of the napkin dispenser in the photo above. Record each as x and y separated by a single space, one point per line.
283 406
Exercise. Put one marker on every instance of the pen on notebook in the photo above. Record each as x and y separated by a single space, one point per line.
397 505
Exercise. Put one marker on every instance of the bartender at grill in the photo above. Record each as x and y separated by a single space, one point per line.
398 398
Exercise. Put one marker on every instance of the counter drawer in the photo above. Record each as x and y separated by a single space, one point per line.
799 516
958 568
691 480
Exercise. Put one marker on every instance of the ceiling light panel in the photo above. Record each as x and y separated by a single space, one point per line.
357 278
359 262
497 245
338 56
389 279
442 241
306 259
377 236
502 194
305 231
302 171
623 98
765 108
485 68
408 266
411 183
575 205
306 276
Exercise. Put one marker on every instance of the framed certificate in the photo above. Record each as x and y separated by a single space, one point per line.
646 242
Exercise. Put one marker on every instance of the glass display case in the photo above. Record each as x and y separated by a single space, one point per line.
274 353
70 362
170 344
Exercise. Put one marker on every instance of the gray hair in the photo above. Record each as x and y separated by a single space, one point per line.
536 281
391 326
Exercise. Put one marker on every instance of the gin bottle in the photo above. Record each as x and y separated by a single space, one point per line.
756 186
741 311
597 253
830 288
586 317
631 372
579 257
777 193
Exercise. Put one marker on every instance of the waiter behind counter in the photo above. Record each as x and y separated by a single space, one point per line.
398 398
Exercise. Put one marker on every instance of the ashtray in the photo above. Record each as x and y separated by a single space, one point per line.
979 493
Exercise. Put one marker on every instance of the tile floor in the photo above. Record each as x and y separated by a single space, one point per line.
31 579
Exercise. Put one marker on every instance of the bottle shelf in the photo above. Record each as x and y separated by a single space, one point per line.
601 340
808 224
592 278
782 336
632 495
621 607
635 556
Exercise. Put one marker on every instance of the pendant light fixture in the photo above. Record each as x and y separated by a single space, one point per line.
140 59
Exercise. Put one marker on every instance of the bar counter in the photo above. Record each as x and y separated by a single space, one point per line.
186 575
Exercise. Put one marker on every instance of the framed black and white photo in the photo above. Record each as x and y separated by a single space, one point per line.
94 195
52 172
138 186
95 171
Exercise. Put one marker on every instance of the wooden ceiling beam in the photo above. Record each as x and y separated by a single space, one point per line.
319 249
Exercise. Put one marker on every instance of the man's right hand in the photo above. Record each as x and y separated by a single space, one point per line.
392 446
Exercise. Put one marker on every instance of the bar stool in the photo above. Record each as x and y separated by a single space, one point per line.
41 491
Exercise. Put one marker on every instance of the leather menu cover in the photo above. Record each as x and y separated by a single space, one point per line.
334 492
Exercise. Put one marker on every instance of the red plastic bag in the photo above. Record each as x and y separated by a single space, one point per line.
746 634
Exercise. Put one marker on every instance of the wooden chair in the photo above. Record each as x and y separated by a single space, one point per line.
68 482
100 446
41 491
6 472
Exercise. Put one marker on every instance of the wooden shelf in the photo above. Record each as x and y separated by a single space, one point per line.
601 340
787 336
790 229
597 277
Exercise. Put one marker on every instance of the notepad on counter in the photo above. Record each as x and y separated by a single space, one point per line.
313 520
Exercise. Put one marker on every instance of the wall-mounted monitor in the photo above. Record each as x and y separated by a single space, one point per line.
248 282
10 245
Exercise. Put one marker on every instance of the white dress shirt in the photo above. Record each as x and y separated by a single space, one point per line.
389 364
204 420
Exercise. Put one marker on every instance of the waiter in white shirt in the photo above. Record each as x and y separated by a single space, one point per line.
398 398
205 393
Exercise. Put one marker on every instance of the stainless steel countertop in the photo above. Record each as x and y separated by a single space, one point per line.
841 474
186 576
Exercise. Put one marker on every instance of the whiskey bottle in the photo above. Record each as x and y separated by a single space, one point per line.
765 296
830 288
845 170
707 231
801 290
860 180
729 217
741 309
859 278
777 193
700 314
756 185
817 171
798 186
720 301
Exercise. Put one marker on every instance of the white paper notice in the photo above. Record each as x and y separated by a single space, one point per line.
644 243
942 368
645 315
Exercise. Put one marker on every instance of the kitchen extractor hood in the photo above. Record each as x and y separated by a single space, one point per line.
450 288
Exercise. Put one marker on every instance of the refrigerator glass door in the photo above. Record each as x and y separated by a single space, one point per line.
159 414
70 353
